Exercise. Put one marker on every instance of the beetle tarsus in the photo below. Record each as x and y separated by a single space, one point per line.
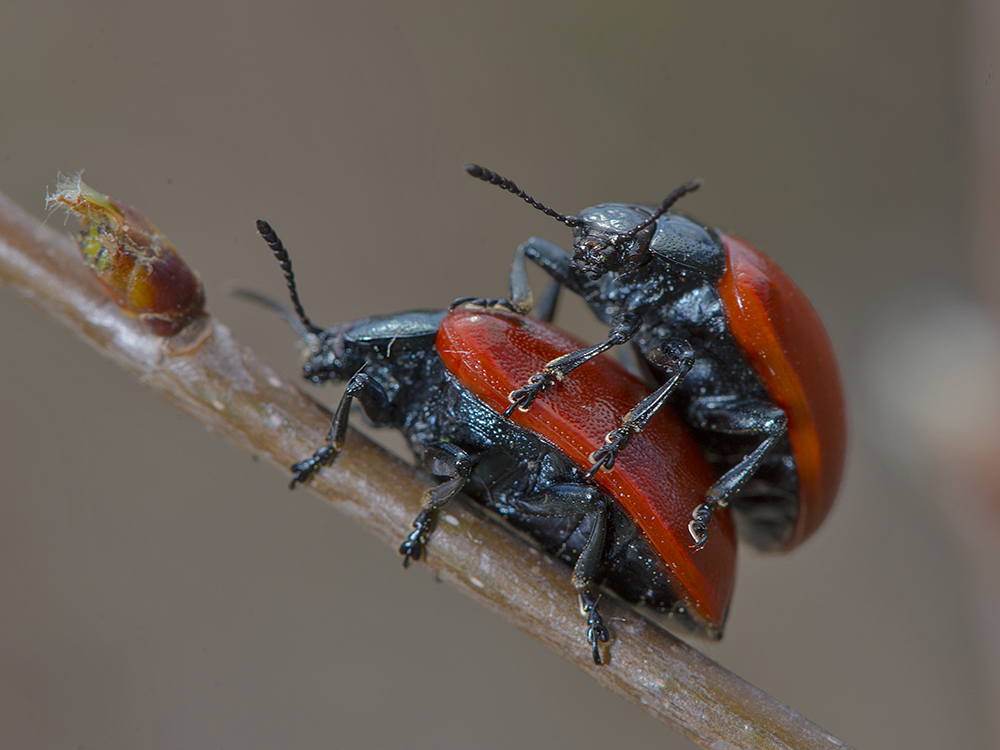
698 527
523 398
303 470
597 631
412 548
614 443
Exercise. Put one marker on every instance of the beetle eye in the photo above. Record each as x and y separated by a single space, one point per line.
592 255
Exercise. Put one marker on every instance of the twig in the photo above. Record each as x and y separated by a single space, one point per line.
211 376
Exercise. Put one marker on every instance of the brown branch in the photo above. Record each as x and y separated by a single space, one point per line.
211 376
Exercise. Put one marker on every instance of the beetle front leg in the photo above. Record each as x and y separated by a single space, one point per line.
443 460
564 501
734 417
623 327
551 258
548 256
675 357
372 397
546 308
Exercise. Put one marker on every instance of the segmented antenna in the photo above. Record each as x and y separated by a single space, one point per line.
286 265
675 195
494 179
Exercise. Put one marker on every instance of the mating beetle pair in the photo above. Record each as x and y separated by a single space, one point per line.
590 464
442 378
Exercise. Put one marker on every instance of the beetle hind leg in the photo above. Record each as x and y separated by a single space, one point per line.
564 501
745 417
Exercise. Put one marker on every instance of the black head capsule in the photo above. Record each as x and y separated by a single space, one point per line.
602 244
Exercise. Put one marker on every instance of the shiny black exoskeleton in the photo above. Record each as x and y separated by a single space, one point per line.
393 370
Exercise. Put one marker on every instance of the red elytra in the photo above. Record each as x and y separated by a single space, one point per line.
786 345
659 479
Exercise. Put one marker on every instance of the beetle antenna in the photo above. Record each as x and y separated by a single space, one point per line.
281 254
675 195
494 179
282 312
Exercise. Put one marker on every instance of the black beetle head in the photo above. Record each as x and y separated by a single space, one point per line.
607 241
593 256
331 356
610 236
597 254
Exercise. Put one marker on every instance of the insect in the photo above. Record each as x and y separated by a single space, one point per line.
729 340
442 379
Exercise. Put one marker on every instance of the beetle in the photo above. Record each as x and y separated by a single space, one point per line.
728 339
442 379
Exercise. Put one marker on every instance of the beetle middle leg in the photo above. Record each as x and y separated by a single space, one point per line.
675 357
623 327
442 460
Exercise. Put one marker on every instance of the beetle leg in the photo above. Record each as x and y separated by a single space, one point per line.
372 397
552 259
675 357
483 302
623 327
443 460
546 308
744 417
563 501
597 631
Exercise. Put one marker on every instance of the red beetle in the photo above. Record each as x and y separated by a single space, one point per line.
442 378
729 339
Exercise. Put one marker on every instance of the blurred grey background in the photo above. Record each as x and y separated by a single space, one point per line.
159 589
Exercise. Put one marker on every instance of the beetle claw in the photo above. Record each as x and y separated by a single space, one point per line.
698 527
303 470
524 397
604 457
597 631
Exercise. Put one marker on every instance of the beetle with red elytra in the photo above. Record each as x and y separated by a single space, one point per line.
733 346
731 342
